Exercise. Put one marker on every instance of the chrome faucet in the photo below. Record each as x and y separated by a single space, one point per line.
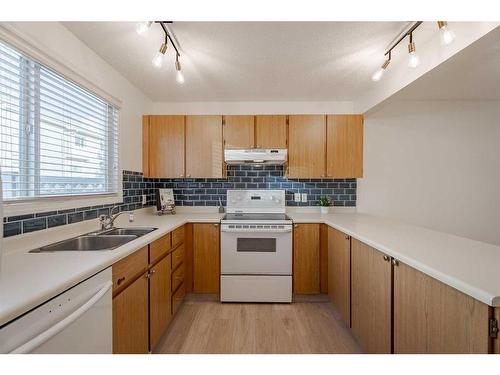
106 221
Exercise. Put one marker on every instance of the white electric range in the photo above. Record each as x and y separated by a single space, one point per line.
256 247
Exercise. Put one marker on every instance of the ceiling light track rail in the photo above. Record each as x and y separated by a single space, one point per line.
409 33
167 35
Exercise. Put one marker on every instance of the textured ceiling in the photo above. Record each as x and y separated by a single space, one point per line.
247 61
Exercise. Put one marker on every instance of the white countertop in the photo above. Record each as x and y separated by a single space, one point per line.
470 266
27 280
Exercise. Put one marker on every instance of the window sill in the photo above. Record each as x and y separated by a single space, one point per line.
34 206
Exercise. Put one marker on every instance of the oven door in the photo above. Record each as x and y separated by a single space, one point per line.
262 251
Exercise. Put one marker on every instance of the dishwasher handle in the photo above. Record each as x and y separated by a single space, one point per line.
59 326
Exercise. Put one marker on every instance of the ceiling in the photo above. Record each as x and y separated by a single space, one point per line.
471 74
247 61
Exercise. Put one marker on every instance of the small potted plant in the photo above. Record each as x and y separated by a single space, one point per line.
325 203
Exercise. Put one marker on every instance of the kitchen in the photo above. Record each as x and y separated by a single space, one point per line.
167 192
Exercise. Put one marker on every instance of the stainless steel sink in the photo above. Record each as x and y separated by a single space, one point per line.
86 243
96 241
128 232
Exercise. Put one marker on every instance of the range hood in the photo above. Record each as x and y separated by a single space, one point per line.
273 156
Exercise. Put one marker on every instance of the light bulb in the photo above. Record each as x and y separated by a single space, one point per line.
380 72
179 77
447 36
142 28
413 60
157 60
377 75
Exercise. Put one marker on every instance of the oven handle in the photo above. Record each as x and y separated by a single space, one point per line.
255 230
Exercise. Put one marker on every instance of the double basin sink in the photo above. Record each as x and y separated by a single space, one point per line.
104 240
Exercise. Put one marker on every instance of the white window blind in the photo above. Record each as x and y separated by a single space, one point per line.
56 138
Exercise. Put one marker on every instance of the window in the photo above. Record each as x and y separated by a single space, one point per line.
56 138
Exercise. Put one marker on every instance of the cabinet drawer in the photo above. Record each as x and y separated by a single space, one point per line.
159 248
177 257
127 269
177 277
177 298
177 236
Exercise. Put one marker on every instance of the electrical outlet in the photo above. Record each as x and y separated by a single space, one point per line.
296 197
144 199
304 197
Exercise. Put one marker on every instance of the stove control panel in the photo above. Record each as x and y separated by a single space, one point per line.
251 201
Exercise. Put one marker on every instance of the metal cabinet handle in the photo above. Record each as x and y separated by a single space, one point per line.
395 262
387 258
182 175
296 226
120 280
147 276
152 271
188 175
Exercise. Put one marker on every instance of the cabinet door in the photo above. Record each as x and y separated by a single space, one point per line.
306 258
306 146
206 262
160 309
339 272
166 146
204 146
370 298
270 131
431 317
344 146
239 131
130 318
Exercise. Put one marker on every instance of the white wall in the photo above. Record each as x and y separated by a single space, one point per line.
245 108
435 164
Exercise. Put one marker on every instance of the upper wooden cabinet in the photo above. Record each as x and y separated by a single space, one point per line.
271 131
204 146
344 146
306 256
163 146
239 132
371 299
306 146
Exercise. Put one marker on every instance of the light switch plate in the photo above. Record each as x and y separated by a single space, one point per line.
304 197
144 199
296 197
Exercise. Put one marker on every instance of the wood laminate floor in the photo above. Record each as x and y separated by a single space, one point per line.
309 325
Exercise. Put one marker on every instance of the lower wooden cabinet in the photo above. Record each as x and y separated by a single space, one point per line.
306 258
431 317
371 283
160 296
206 258
130 318
339 272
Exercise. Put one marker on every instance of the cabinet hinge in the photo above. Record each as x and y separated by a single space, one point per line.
493 328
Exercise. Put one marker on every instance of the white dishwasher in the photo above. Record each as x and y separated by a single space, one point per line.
78 320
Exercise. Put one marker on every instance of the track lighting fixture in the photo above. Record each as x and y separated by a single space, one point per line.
447 36
158 59
142 28
179 74
380 72
413 59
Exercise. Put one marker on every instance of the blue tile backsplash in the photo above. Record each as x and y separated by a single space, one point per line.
194 192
